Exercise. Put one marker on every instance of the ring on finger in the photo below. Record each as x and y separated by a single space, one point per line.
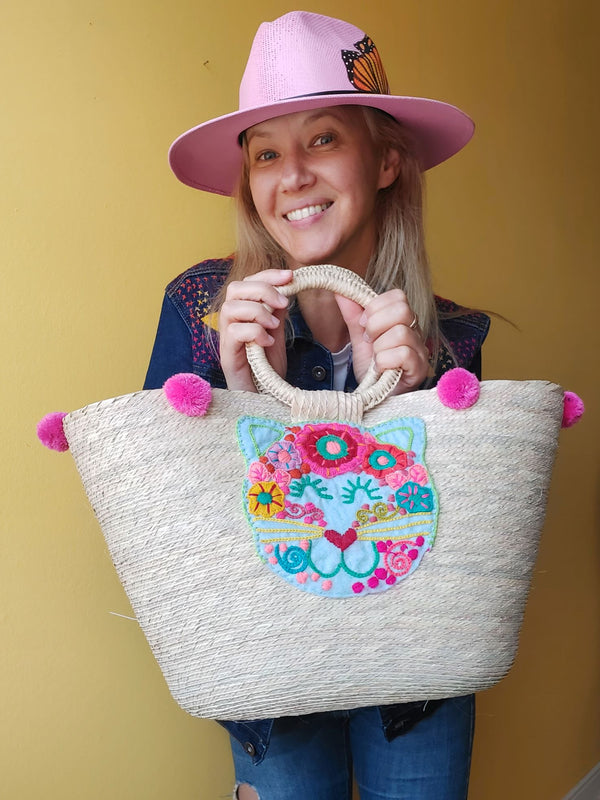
414 323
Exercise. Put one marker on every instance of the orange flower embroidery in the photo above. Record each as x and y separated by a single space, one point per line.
265 499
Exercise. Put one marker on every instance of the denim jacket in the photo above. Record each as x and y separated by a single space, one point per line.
183 344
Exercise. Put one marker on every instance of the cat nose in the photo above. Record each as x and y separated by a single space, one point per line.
341 540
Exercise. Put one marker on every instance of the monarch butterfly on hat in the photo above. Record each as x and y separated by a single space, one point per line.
365 70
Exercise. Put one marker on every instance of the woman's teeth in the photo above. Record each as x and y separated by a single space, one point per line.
307 211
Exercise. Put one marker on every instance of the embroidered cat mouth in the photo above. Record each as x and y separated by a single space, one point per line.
321 555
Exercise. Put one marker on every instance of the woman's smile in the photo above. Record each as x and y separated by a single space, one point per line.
307 211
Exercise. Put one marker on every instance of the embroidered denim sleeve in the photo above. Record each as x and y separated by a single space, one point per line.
185 341
464 333
171 352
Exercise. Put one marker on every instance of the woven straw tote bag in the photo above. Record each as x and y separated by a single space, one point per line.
290 552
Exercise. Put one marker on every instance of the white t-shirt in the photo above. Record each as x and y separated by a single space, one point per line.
341 361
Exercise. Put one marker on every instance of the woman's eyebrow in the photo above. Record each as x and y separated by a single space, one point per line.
256 134
260 129
318 114
323 112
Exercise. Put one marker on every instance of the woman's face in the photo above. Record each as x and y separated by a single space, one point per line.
314 178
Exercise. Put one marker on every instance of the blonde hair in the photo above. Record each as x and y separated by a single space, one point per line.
400 259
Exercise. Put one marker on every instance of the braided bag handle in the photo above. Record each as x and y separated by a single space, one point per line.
324 404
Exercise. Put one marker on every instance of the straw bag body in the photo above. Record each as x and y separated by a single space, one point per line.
314 551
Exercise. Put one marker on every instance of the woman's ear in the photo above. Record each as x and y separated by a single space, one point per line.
390 168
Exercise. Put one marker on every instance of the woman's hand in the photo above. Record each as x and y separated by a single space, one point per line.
383 331
253 311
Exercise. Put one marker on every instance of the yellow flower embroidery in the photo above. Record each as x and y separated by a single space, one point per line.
265 499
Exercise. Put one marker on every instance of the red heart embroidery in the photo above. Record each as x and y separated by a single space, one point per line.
341 540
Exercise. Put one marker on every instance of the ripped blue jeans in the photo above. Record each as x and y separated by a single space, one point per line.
314 757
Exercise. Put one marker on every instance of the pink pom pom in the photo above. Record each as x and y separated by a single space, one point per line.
188 393
458 388
573 409
51 433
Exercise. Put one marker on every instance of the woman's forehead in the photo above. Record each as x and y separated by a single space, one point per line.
346 115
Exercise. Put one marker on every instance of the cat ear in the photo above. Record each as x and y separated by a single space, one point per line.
407 433
256 435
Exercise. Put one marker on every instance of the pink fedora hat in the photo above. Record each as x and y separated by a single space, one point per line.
302 61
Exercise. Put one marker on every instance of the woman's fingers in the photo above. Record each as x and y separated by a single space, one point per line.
242 312
362 349
254 299
387 331
385 311
399 337
262 287
252 312
243 333
413 362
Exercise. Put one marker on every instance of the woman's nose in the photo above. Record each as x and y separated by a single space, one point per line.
296 172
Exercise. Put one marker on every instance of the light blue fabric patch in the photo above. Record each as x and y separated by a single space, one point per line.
339 510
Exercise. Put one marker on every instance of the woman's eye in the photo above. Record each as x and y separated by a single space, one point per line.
266 155
324 138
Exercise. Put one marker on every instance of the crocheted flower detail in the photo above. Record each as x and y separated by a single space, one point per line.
330 449
265 499
414 497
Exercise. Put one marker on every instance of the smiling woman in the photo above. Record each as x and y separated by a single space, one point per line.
314 178
327 166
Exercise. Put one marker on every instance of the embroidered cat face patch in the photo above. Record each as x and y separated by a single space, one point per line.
336 509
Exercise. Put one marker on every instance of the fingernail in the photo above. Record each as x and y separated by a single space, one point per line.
366 337
363 320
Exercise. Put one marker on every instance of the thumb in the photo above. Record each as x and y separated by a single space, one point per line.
351 313
362 350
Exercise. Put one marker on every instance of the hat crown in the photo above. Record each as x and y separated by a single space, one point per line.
302 54
301 62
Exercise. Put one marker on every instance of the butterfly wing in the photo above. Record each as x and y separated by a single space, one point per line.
365 69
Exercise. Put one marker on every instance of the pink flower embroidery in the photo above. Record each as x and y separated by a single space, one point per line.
396 479
381 459
283 455
330 448
418 474
258 472
281 477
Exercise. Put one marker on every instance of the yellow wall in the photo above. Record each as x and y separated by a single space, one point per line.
93 225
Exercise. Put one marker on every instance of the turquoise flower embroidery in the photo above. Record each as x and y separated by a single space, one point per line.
414 497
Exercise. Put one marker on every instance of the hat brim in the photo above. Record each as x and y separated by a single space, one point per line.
209 156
